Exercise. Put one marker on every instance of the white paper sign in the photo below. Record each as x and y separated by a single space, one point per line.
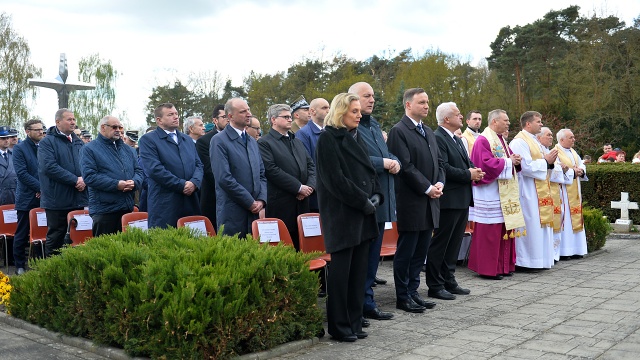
199 226
42 219
268 231
388 225
10 216
140 224
85 222
311 226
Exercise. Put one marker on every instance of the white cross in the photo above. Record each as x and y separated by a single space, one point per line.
624 205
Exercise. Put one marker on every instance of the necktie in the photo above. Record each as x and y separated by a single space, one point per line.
459 142
421 130
69 137
4 155
174 137
244 137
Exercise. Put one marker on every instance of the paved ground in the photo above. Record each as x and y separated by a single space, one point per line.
580 309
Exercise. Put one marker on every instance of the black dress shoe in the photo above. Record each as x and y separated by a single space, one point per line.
365 322
508 274
409 306
376 314
565 257
527 270
379 281
459 291
346 338
320 333
422 302
497 277
577 256
441 294
362 335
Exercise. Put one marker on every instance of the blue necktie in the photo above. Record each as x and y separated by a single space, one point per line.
419 126
244 137
174 137
4 155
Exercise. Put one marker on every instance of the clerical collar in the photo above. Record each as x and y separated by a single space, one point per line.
472 130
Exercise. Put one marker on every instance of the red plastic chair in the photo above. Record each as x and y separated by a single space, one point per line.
37 233
7 230
129 219
389 241
184 221
312 243
78 237
285 238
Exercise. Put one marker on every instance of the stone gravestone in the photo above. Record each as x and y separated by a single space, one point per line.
624 223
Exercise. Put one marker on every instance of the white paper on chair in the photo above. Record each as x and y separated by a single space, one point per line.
140 224
199 226
42 219
268 231
311 226
10 216
85 222
388 225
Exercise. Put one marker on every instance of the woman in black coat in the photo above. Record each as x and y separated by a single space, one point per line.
348 193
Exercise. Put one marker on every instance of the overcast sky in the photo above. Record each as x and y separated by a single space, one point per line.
153 41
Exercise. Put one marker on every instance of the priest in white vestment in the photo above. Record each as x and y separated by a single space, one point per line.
556 177
534 249
573 241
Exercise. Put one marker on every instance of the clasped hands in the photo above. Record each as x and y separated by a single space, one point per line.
304 192
476 173
126 185
436 190
516 159
393 166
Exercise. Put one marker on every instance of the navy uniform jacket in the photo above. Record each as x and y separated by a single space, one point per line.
25 161
168 167
240 180
8 180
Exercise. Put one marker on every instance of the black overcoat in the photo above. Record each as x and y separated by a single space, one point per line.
346 181
422 166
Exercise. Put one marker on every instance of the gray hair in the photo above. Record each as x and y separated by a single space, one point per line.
542 131
561 134
275 110
60 112
188 123
493 114
443 110
105 119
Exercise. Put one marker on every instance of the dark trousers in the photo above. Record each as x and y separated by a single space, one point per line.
21 239
56 230
372 269
109 223
344 290
445 246
408 260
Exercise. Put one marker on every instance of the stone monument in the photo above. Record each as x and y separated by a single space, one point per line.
624 223
61 85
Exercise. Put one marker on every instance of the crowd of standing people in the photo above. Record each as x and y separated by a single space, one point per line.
522 199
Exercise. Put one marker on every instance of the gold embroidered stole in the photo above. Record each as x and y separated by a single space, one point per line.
573 190
468 135
509 190
543 190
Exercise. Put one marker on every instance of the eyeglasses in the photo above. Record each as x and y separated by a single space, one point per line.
286 117
255 128
115 127
221 116
38 130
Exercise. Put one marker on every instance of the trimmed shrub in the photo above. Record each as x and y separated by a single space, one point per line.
596 228
606 182
172 294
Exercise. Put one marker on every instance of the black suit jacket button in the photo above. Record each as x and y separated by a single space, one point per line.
364 183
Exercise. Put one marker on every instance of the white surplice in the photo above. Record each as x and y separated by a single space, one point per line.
535 249
571 243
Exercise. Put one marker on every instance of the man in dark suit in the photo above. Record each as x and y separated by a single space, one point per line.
454 205
208 190
241 185
418 188
25 161
290 171
173 168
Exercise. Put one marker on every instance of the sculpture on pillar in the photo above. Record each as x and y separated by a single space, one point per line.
60 84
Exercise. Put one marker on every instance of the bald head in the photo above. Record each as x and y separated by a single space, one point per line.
365 91
318 109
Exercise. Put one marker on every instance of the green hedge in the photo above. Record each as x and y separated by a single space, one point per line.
606 182
596 228
170 294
